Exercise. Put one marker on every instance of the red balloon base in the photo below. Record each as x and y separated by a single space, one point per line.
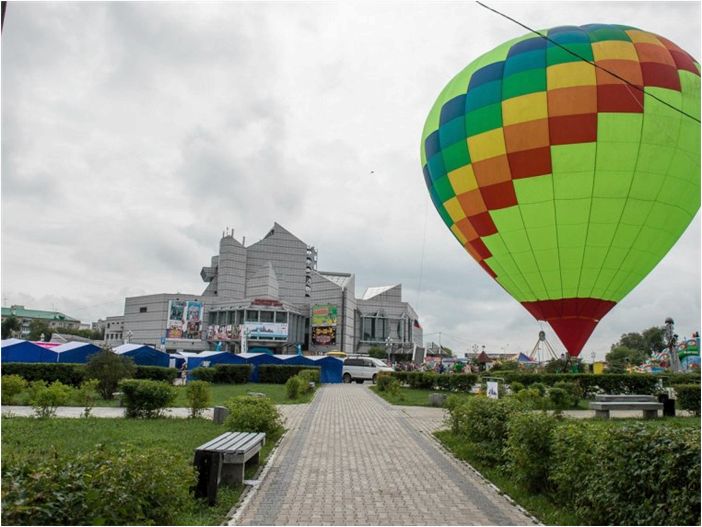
573 319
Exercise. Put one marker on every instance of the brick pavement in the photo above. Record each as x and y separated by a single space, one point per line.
352 459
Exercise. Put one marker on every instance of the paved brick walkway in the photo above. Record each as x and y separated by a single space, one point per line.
352 459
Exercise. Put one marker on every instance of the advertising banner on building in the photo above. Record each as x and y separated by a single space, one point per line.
324 336
265 330
220 332
323 315
184 319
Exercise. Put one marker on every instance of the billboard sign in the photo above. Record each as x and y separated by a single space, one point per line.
184 319
324 336
220 332
323 315
265 330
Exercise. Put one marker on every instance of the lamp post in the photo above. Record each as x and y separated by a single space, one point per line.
388 348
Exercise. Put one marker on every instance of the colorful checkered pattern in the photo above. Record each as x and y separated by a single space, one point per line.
560 179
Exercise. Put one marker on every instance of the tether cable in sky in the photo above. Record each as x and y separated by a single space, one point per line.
580 57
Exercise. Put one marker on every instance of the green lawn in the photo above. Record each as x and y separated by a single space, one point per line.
28 437
220 394
411 396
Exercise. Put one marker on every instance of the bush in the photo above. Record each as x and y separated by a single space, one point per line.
253 414
532 398
99 487
146 398
198 395
68 374
573 389
560 398
232 373
540 387
484 421
109 369
423 380
516 387
688 396
156 373
528 448
204 374
591 384
86 395
12 386
45 399
309 376
294 387
275 374
463 382
384 381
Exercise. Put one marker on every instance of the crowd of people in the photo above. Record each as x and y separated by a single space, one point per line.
437 366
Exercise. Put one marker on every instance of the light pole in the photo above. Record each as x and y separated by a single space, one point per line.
388 348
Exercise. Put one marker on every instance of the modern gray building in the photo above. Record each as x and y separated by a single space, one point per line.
271 295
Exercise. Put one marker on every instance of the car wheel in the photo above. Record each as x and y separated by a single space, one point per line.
375 378
347 378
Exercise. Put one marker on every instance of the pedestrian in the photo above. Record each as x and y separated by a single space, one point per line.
184 373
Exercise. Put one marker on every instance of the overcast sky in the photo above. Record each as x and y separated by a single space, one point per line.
134 133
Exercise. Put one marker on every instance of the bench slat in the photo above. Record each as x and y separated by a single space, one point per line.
625 406
233 442
221 440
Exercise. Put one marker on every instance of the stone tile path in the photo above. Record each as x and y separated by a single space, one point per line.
349 458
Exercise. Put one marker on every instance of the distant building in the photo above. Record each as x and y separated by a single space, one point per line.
270 295
54 319
114 330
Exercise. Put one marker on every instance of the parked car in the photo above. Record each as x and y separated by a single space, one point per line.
361 369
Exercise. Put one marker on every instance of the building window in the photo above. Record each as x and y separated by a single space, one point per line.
267 316
251 316
281 316
142 309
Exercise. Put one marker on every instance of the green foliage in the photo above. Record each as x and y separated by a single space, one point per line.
253 414
199 397
383 381
86 333
557 366
377 353
37 328
540 387
591 384
516 387
532 398
12 386
109 369
279 374
9 326
508 365
87 394
573 389
146 398
622 357
528 448
429 380
560 399
203 374
128 486
688 396
71 374
45 399
308 376
484 421
232 373
156 373
651 339
294 386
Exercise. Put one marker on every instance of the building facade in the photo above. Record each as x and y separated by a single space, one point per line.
53 319
271 296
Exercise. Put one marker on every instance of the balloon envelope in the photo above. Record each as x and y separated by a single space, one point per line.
565 183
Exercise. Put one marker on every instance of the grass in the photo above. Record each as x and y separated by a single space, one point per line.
28 437
411 396
220 394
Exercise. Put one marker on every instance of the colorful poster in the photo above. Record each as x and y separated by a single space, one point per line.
184 320
265 330
219 332
324 315
324 336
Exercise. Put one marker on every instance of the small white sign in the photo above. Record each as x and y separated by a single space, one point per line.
492 391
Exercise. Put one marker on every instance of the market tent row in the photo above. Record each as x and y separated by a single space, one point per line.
75 352
207 359
143 355
330 367
18 350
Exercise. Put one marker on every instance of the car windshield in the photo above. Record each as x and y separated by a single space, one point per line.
379 362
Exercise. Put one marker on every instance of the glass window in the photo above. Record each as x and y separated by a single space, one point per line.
230 317
267 316
142 310
281 316
251 316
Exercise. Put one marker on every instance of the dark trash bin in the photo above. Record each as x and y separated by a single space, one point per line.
668 405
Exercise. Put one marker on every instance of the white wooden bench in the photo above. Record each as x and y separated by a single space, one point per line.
648 404
223 460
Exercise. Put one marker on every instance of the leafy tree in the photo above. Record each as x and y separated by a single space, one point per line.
651 339
620 357
377 353
37 328
10 325
109 368
86 333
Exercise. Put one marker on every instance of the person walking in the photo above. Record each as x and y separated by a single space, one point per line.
184 373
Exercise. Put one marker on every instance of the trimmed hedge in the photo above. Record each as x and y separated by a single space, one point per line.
156 373
275 374
591 384
688 396
65 373
253 414
429 380
223 374
146 398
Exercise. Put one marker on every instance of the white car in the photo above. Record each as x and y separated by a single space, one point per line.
361 369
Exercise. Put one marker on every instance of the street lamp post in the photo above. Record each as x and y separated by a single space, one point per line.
388 348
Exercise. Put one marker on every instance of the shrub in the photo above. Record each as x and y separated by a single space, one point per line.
591 384
232 373
484 421
86 395
540 387
463 382
45 399
69 374
156 373
688 396
294 387
393 389
424 380
401 376
528 448
198 395
253 414
204 374
384 381
443 382
12 386
275 374
516 387
98 487
532 398
309 376
573 389
146 398
109 369
560 398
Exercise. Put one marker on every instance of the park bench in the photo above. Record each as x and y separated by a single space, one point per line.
647 403
223 460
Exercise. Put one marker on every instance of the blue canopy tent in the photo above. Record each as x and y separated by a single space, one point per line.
525 360
257 359
331 369
143 355
18 350
213 357
75 352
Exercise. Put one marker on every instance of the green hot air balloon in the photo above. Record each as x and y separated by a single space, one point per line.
568 166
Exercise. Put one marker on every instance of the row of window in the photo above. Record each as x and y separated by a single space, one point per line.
247 315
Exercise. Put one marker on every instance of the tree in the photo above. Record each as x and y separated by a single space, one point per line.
9 326
37 328
654 337
109 368
651 339
621 357
377 353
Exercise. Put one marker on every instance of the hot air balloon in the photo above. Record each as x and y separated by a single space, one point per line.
568 166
